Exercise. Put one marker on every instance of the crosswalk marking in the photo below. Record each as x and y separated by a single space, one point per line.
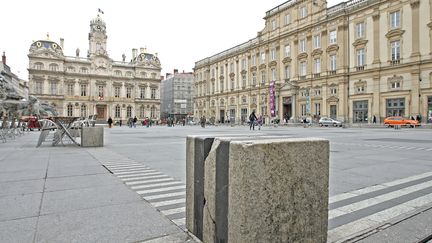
384 146
128 168
135 171
170 202
174 211
139 174
156 185
148 181
179 222
144 178
161 189
174 194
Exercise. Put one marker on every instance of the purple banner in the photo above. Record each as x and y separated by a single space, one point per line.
272 100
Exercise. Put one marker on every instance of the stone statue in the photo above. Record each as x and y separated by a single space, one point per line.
124 57
77 52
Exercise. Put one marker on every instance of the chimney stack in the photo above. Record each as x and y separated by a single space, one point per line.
142 50
134 53
4 58
175 71
62 43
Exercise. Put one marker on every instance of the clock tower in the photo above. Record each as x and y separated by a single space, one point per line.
97 38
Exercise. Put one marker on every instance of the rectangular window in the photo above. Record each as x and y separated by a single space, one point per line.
317 65
287 19
153 93
83 89
254 79
333 63
129 92
263 77
302 69
221 70
142 93
273 54
263 57
70 89
395 20
303 110
360 57
317 41
53 88
318 109
287 72
232 84
273 71
274 24
213 73
231 67
244 64
395 85
303 12
395 50
360 30
117 92
287 51
302 45
253 60
317 92
333 91
333 37
101 91
244 81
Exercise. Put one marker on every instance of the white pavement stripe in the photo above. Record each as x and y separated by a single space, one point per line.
156 185
365 190
131 169
174 211
127 166
148 181
144 177
174 194
179 222
161 189
377 219
170 202
376 200
139 174
135 171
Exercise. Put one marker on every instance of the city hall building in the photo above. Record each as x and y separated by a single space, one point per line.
96 84
352 61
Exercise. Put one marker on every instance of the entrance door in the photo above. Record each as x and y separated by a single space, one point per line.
287 108
222 116
232 115
101 112
333 113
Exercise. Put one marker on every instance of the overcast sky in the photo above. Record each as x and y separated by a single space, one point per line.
181 32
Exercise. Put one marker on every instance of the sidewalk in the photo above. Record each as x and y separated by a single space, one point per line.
63 194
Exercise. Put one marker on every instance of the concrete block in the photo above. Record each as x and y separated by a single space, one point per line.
268 190
92 137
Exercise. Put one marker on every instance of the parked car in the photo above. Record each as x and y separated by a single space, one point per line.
392 121
326 121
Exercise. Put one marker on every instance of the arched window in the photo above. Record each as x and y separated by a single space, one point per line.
69 110
129 111
143 74
83 111
38 66
128 74
53 67
117 111
84 70
153 112
71 69
118 73
142 111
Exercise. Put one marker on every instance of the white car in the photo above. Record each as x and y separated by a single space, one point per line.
326 121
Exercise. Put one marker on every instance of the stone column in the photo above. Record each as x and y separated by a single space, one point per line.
415 92
324 106
376 106
415 55
376 37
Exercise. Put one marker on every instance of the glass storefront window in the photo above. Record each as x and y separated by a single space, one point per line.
360 111
395 107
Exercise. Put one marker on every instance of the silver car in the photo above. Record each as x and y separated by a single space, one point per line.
326 121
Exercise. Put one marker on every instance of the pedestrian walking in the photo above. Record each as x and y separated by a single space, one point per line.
120 123
135 119
260 122
110 121
203 121
374 119
252 120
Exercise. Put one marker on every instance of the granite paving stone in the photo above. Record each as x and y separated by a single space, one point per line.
75 171
82 181
21 187
19 206
22 175
18 230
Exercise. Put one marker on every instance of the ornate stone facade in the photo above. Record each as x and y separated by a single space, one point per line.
96 84
352 61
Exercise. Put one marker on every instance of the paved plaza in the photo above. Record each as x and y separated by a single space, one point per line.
133 189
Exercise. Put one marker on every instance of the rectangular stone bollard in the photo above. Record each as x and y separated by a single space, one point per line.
268 190
197 149
92 136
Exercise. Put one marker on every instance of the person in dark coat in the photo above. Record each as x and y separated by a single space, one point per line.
374 119
252 119
110 121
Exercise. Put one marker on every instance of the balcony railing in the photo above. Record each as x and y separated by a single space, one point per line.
316 75
360 68
302 77
332 72
395 62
